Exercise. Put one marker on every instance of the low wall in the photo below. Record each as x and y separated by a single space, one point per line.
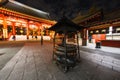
111 43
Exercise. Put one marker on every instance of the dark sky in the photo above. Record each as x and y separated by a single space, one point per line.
70 8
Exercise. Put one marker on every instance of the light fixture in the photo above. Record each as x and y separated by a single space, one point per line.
103 30
21 31
97 31
91 31
118 29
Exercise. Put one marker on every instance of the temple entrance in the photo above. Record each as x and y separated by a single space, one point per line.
20 30
34 34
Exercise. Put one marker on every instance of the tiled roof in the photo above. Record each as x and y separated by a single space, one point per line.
66 25
112 15
16 6
107 17
82 18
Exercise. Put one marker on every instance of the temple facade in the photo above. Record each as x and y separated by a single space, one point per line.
101 27
18 19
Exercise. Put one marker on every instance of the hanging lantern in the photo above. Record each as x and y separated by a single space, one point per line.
21 31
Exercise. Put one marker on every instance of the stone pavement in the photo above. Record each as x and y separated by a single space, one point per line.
105 56
34 62
7 50
113 50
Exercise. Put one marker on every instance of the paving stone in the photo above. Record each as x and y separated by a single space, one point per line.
106 64
116 61
108 59
116 68
18 70
98 57
34 62
6 71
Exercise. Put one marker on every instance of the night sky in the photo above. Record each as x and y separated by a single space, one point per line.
70 8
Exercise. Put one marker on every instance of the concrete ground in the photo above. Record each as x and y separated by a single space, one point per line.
34 62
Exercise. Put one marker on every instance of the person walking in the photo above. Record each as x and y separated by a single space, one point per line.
41 40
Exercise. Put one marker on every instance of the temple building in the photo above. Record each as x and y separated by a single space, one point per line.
102 27
17 19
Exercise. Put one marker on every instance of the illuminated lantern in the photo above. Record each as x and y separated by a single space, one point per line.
21 31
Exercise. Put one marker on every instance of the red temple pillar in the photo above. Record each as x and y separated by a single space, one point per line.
13 30
27 29
47 33
5 31
39 27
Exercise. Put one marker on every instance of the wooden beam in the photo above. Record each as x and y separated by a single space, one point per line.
21 15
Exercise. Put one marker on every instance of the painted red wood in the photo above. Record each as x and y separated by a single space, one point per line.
111 43
98 37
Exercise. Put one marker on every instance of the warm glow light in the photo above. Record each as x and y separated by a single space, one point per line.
24 25
15 19
1 21
17 24
118 29
46 25
11 18
21 20
103 30
1 17
30 21
33 27
97 31
9 23
91 31
21 31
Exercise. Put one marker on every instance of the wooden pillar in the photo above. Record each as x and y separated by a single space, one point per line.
27 29
38 30
5 31
47 32
84 37
39 27
13 30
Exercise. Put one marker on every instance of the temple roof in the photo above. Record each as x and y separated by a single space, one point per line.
105 18
66 25
19 7
82 18
115 14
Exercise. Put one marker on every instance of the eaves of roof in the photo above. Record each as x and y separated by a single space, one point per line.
19 7
82 18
